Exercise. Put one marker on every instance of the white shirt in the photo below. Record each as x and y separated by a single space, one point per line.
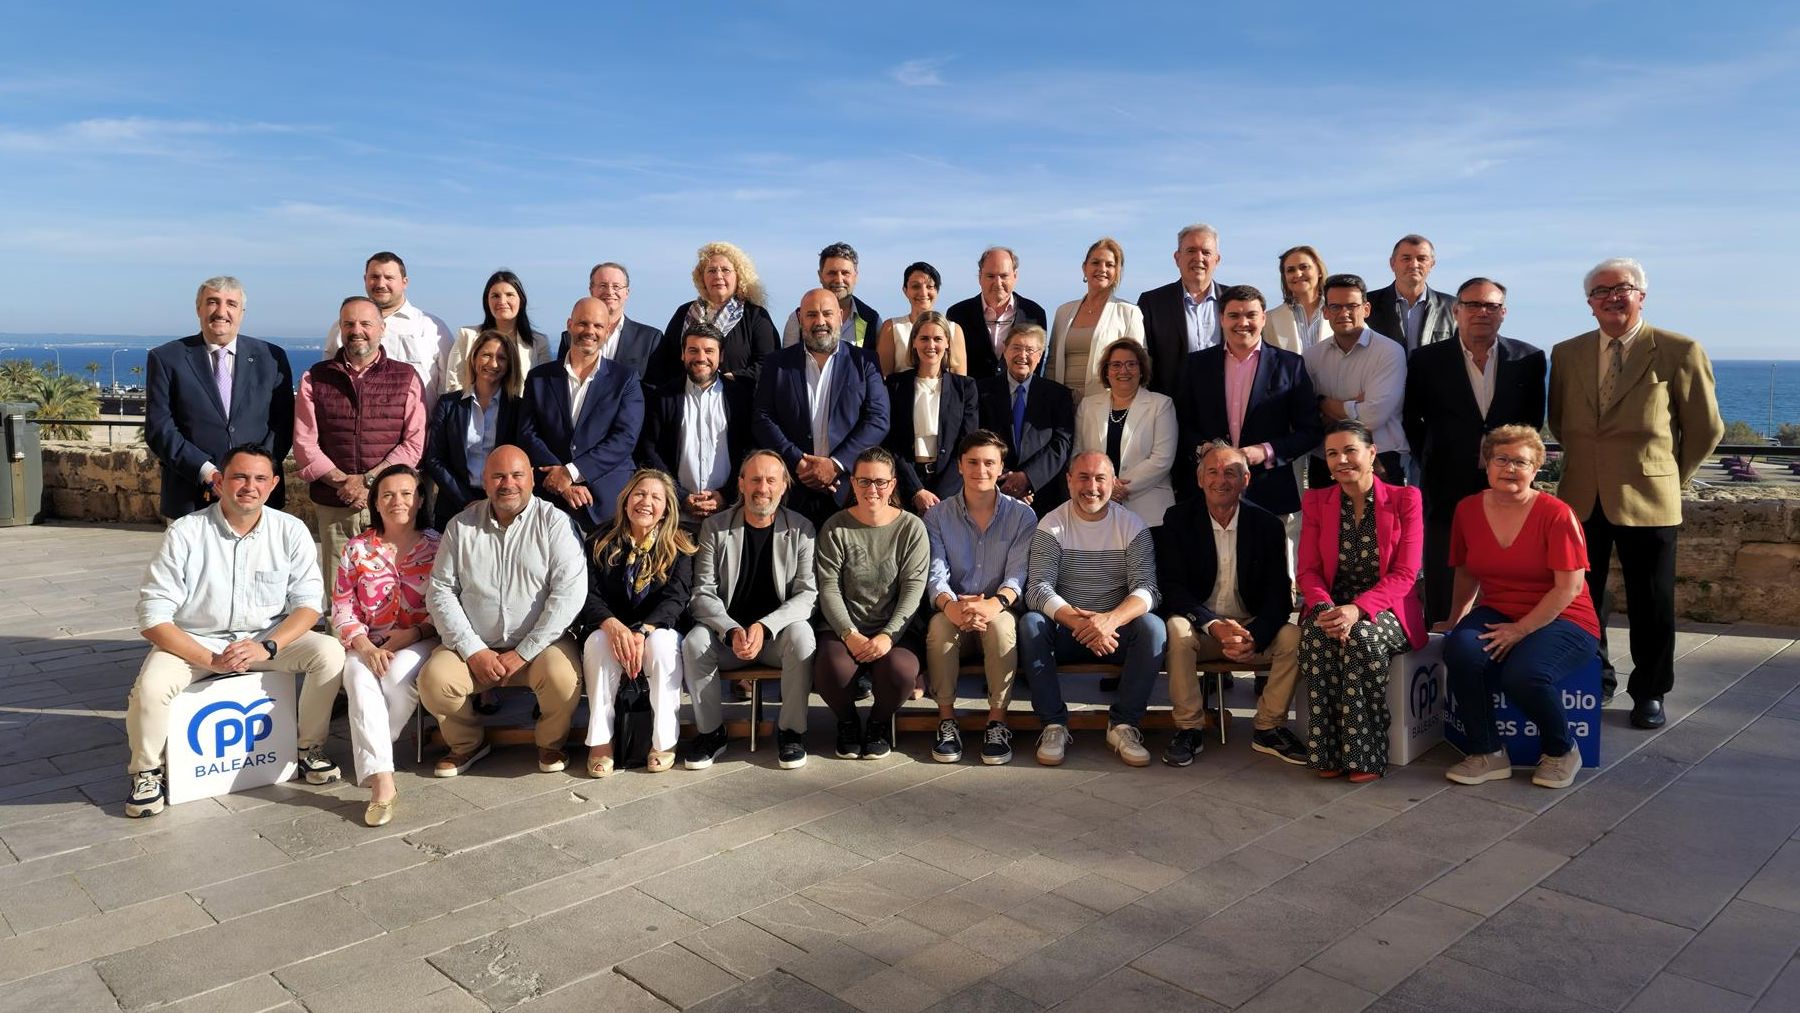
1225 600
705 462
416 338
609 345
1481 378
578 392
818 396
928 395
1374 367
211 581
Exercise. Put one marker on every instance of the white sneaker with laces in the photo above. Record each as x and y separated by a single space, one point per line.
1128 742
1053 745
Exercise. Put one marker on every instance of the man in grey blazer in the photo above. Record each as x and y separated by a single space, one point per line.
752 603
1410 311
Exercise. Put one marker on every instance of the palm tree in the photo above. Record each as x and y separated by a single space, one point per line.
64 397
93 370
16 375
136 371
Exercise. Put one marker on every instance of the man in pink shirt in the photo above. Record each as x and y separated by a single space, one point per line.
358 412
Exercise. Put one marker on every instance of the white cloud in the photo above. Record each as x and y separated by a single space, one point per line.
127 135
919 73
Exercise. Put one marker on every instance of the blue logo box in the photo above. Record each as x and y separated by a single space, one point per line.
1581 699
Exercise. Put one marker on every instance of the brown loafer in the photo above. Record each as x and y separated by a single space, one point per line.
551 760
453 764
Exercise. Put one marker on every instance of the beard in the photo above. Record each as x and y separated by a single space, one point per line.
821 339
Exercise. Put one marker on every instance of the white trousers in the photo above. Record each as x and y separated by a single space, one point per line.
381 707
662 667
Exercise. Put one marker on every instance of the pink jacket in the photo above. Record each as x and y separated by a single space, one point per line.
1399 542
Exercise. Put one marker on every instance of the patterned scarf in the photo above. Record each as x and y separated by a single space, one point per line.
637 564
726 319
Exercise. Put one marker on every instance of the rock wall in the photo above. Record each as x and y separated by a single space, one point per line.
89 482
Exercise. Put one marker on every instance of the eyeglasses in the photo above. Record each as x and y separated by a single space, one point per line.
1608 291
609 287
1124 365
1342 307
1481 307
876 484
1523 464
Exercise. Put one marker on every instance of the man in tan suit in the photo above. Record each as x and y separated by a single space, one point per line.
1633 408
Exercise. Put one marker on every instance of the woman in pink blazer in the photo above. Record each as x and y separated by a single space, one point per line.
1359 567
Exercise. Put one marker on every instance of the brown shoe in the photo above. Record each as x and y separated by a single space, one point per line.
1479 768
1558 771
660 760
455 763
600 760
551 760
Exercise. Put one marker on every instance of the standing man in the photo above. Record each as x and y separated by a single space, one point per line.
1183 317
1355 377
1038 413
359 411
837 275
509 579
818 405
1456 393
212 391
987 319
625 341
752 602
581 422
1409 311
409 334
234 588
697 427
1633 407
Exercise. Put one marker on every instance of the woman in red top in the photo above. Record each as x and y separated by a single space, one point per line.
1523 550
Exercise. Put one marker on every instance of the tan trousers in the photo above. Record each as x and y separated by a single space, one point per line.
163 677
446 689
1187 648
337 525
946 646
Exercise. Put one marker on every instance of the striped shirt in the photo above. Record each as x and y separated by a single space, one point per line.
1092 565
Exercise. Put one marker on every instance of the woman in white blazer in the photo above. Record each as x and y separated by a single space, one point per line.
1300 319
1081 328
503 309
1134 427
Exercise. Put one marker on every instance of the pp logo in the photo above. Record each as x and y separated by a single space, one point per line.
1423 693
244 729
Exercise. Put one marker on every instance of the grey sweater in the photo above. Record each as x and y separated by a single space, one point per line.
871 579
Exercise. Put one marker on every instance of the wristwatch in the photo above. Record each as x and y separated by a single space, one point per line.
272 647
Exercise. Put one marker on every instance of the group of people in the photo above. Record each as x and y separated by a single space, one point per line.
865 503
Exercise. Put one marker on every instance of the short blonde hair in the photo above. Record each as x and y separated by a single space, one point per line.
749 286
1506 436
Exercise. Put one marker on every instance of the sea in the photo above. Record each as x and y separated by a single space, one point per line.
1764 393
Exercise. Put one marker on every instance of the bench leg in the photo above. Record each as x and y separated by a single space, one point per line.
1224 713
755 712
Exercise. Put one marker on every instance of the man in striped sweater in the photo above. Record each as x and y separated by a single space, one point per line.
1091 585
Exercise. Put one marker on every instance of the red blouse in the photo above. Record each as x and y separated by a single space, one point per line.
1514 578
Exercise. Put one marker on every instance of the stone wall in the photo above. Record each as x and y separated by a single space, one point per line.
1739 550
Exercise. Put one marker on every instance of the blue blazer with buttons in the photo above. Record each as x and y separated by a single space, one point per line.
186 426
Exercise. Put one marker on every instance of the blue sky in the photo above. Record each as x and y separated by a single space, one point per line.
145 147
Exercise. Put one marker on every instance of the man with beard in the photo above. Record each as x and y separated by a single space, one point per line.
837 275
752 603
409 334
818 405
697 427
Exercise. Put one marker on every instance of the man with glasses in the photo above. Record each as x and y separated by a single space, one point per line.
1457 392
624 341
1633 407
1355 377
1409 311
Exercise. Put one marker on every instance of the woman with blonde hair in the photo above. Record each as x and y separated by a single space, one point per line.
731 298
640 571
1084 326
1300 319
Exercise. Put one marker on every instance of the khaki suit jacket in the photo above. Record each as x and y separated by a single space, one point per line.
1636 454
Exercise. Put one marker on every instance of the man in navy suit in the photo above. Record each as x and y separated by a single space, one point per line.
819 404
1184 316
1252 395
697 427
1038 414
625 341
988 318
581 421
837 272
210 392
1456 392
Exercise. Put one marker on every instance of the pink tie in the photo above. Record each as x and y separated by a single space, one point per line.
222 377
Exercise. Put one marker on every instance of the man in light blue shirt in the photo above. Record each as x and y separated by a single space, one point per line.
980 544
234 588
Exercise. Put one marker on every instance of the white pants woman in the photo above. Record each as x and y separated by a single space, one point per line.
381 706
662 667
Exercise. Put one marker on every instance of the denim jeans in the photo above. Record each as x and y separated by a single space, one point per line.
1528 674
1043 642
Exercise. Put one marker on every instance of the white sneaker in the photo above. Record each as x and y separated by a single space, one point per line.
1128 742
1053 744
146 797
1479 768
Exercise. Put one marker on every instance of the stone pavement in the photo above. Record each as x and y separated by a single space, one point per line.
1668 881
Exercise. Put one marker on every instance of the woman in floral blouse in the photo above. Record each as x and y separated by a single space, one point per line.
378 608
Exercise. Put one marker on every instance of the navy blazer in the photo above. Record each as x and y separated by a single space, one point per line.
1444 426
446 460
185 423
746 346
600 445
1283 412
1187 567
1440 320
659 446
1165 335
637 344
1048 440
859 408
957 414
979 347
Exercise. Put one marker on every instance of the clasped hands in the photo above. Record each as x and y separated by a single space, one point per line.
558 480
816 472
1096 631
1337 622
1235 641
971 613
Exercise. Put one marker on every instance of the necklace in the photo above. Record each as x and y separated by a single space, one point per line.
1116 416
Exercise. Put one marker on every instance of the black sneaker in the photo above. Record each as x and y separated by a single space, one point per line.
1279 743
949 742
793 750
317 767
860 687
146 797
703 749
1187 744
875 741
850 738
996 744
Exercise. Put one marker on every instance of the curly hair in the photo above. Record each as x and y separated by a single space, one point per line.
749 286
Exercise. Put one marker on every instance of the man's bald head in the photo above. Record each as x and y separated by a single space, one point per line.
589 323
506 476
821 321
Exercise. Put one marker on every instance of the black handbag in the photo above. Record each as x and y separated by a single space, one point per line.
632 723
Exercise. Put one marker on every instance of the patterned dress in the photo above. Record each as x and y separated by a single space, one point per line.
1346 683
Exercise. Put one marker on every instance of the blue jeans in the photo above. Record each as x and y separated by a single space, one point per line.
1043 642
1528 674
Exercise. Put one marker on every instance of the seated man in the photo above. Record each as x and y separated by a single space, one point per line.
752 602
1221 564
1091 584
508 581
1038 413
234 588
980 541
